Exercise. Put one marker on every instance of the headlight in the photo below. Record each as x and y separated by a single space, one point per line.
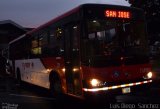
94 82
149 75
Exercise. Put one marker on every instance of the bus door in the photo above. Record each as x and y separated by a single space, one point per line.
72 59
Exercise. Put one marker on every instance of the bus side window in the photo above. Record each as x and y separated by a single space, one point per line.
56 42
44 42
35 48
76 43
22 47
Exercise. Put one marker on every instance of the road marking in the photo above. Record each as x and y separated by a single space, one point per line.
32 96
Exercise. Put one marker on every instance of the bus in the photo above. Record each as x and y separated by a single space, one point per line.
92 49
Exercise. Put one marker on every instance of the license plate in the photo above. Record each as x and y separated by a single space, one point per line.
126 90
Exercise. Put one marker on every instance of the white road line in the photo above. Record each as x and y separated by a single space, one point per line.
32 96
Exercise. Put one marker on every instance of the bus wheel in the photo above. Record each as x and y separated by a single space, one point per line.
55 85
18 77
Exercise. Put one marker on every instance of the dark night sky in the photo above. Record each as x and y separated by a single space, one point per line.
32 13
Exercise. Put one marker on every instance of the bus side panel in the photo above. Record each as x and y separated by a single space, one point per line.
33 71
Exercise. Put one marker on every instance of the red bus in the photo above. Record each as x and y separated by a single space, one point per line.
91 49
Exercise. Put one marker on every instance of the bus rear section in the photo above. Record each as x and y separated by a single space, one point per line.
115 54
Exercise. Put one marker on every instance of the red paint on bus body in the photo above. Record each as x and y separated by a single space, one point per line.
124 73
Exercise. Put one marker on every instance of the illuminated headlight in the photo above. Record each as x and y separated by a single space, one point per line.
149 75
94 82
97 83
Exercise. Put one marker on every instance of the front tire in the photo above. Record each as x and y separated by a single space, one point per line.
55 85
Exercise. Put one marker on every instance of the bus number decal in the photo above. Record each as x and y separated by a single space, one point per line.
28 65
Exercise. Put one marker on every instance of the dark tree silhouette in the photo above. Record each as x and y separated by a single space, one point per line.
152 13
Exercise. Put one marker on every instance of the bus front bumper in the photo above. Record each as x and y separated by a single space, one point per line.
117 89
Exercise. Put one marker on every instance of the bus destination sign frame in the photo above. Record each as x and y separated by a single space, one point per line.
118 14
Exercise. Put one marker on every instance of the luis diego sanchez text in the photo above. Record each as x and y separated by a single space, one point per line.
134 106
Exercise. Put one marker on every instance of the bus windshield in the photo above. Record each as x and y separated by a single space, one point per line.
115 38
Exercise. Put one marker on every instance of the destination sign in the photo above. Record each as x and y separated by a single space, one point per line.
117 14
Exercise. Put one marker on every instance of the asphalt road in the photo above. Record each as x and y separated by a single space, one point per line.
13 96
